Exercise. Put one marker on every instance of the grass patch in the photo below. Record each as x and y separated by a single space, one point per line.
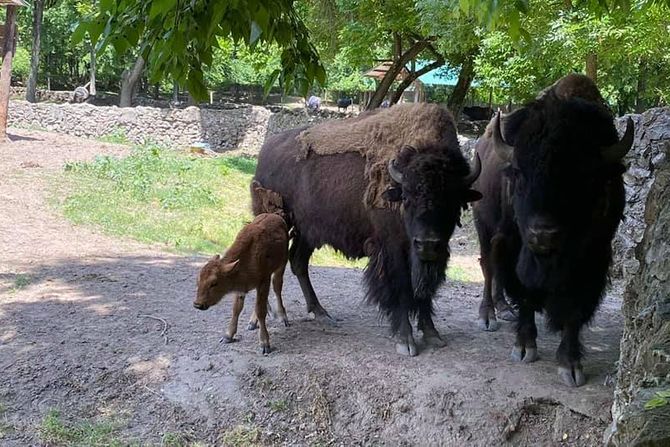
242 436
461 274
21 281
278 405
158 195
54 431
117 136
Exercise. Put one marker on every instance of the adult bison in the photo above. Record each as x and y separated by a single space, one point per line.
328 187
553 198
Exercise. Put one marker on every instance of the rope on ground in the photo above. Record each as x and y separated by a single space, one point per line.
165 325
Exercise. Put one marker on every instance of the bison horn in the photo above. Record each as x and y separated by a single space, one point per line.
503 149
474 172
395 174
618 150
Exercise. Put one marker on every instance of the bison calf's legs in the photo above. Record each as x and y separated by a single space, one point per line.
525 347
569 354
277 285
299 255
261 312
238 305
487 316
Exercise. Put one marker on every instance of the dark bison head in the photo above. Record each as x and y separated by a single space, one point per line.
564 177
433 187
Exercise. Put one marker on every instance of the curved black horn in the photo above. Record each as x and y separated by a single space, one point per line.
474 171
618 150
503 149
395 174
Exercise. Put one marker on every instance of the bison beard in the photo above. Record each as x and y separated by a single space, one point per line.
426 277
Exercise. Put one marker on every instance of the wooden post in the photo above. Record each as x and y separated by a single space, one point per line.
6 71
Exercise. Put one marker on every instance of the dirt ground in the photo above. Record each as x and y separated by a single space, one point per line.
103 328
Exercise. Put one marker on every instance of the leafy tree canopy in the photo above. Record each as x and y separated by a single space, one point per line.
179 37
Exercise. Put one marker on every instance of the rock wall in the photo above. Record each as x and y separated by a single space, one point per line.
644 366
230 126
652 135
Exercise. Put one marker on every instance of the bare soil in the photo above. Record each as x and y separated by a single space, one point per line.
103 328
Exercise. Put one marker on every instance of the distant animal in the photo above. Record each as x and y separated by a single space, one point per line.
553 198
257 257
343 103
407 241
314 103
478 113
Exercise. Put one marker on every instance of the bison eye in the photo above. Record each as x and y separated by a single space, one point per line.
214 284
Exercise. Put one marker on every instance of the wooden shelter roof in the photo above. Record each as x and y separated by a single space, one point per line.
13 3
380 71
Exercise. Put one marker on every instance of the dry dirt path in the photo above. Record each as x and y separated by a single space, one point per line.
84 335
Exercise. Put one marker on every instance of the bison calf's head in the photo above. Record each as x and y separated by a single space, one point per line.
434 188
214 281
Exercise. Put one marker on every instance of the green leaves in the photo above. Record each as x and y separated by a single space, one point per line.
661 399
179 37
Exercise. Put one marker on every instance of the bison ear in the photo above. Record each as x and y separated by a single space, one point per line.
230 267
472 196
393 194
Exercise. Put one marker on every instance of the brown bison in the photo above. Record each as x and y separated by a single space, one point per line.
324 196
553 198
259 253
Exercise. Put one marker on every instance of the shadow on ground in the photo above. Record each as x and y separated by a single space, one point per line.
118 338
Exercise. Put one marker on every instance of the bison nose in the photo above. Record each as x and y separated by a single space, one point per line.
428 249
200 306
542 240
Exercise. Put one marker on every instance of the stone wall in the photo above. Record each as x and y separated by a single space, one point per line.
230 126
644 366
652 135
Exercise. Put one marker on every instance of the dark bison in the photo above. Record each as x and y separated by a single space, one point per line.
407 243
553 198
477 113
343 103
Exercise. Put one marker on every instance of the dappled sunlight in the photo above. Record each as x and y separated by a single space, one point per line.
149 371
8 335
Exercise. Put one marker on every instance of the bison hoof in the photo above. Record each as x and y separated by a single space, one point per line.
508 315
252 326
572 377
434 340
524 355
490 325
324 318
265 349
226 339
406 347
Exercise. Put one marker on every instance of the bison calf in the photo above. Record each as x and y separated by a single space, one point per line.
257 257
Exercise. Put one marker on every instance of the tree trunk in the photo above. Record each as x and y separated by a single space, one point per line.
6 71
129 81
592 67
412 77
31 89
394 71
457 97
91 88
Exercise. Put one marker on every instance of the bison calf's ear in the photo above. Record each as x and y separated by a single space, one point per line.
230 267
392 195
472 196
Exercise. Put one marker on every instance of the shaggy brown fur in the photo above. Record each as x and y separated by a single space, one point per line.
378 137
264 200
257 257
574 85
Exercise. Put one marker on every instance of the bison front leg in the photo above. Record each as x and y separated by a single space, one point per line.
405 344
430 335
262 294
299 255
569 356
487 316
238 305
525 347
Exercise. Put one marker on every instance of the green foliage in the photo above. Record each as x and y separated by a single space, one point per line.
661 399
117 136
242 436
21 64
179 38
185 202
